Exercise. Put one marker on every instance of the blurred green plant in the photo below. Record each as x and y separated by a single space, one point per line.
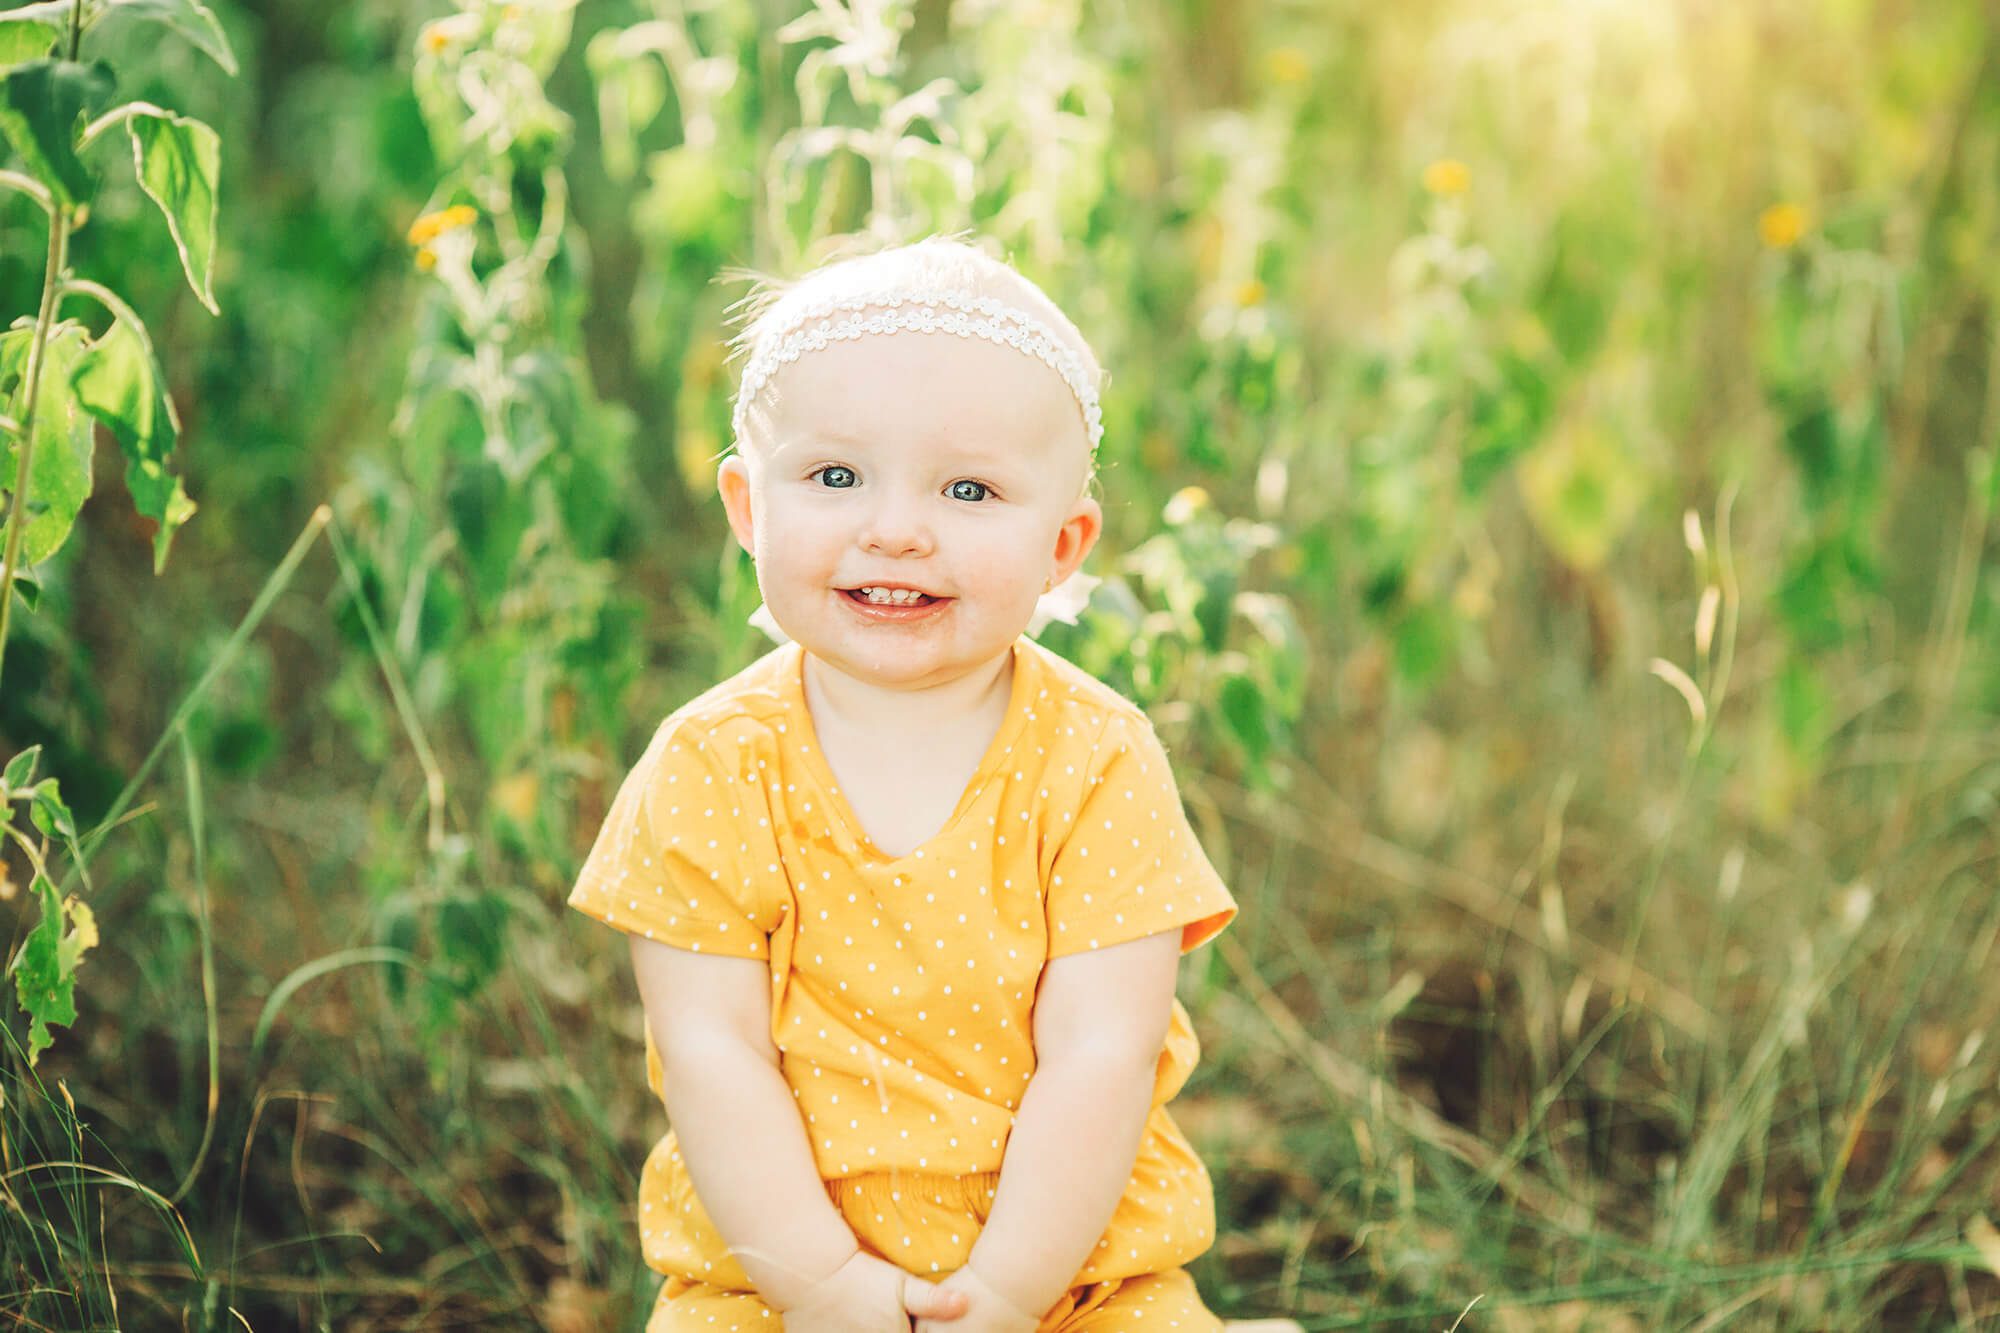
1452 313
478 576
1175 630
59 380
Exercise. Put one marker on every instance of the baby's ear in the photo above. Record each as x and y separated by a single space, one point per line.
732 483
1078 533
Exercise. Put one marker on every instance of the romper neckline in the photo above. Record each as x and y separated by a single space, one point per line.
794 695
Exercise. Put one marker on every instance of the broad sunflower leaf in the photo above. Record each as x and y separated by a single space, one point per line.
59 476
179 160
119 382
40 104
24 39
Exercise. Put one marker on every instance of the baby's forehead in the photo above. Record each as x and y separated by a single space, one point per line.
933 285
922 394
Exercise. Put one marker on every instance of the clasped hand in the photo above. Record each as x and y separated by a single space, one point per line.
987 1311
871 1295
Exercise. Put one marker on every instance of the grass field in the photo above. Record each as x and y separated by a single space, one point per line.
1549 484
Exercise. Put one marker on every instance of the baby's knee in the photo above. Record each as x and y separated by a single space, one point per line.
689 1307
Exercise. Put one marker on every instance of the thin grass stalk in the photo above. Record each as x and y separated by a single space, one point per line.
192 772
280 579
406 709
1691 764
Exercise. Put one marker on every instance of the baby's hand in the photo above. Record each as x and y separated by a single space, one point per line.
988 1311
870 1295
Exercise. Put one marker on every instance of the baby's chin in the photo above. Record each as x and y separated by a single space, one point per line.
914 662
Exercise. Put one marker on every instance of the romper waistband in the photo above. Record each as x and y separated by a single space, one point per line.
972 1193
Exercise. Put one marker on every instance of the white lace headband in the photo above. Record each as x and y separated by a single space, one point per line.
920 310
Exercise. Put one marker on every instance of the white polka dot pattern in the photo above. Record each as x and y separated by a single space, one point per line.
677 860
903 986
1130 864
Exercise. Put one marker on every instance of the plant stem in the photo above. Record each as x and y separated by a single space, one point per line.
17 506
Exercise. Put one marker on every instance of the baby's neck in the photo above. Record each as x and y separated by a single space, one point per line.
840 702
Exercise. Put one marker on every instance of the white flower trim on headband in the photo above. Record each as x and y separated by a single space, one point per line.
918 310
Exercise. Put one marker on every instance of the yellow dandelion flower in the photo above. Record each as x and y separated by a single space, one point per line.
1782 225
433 225
1287 64
1250 293
1447 175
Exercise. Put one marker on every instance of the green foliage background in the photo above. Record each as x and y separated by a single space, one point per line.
1549 478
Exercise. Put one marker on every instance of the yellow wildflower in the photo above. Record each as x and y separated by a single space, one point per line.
436 37
1781 225
1287 64
433 225
1185 504
1447 175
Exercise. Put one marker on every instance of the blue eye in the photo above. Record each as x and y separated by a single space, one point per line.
958 490
832 470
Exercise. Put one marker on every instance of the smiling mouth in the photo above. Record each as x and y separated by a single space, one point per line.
872 595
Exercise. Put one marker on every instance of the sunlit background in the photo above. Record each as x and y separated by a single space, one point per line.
1549 475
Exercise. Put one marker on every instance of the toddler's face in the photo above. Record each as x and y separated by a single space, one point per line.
952 467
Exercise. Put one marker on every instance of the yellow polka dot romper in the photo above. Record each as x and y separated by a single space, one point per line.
902 987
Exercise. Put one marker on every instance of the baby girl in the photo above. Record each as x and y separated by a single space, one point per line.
906 895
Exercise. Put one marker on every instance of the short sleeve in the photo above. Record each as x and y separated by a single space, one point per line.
674 861
1130 864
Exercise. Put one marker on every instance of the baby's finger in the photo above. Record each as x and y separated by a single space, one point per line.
926 1300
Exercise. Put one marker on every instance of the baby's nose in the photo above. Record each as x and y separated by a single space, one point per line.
897 528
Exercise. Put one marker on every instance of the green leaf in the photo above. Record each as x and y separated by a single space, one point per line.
1583 488
1803 708
1218 590
40 104
472 938
1421 646
692 201
21 768
50 813
191 19
491 519
46 993
180 161
23 39
1243 708
119 382
59 474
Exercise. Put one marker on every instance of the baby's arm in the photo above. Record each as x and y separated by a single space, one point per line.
740 1135
1100 1019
